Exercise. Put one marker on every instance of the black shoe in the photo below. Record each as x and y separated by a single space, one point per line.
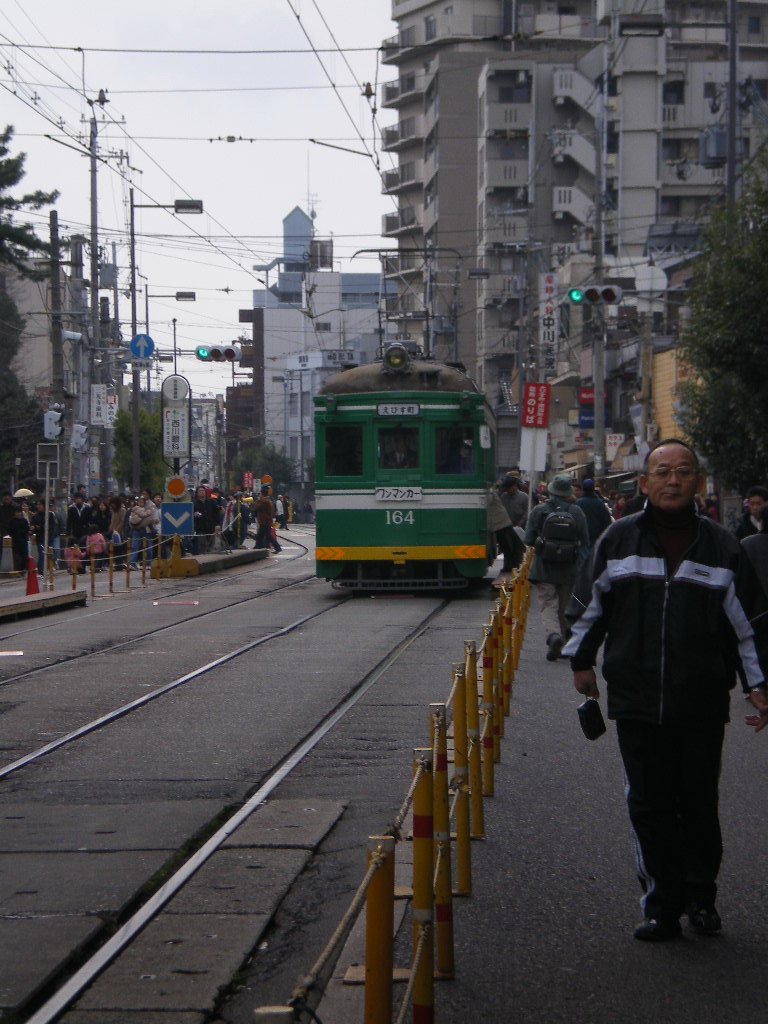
554 646
704 919
657 929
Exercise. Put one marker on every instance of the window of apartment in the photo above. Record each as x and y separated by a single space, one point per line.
711 90
669 206
322 325
672 149
673 93
517 92
754 26
430 27
566 9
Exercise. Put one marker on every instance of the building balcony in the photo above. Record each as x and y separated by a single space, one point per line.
562 26
407 175
405 133
408 87
572 201
508 117
501 288
510 230
392 224
685 173
404 264
506 174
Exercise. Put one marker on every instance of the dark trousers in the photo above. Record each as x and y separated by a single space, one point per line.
511 547
673 773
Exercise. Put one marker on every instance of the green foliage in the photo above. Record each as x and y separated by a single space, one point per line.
265 460
18 241
724 402
21 417
153 469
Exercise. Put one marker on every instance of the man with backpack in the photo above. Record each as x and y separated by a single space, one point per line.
557 530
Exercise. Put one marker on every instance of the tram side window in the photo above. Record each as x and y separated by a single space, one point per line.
398 447
454 450
344 450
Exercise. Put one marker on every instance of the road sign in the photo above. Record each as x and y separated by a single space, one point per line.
175 388
176 487
176 517
48 455
141 364
176 432
141 346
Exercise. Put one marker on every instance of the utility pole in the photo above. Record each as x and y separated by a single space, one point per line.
598 312
730 174
57 345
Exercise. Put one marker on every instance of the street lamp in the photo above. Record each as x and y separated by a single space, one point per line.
179 206
180 297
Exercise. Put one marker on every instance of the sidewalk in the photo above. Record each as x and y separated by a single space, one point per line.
547 934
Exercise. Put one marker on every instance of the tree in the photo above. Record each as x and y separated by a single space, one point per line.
21 417
153 469
265 460
18 241
724 402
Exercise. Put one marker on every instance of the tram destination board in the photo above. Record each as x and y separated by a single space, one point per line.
398 494
398 409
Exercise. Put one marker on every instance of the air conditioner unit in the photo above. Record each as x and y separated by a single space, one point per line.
612 104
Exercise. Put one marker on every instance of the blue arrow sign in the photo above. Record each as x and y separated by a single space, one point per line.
176 517
141 346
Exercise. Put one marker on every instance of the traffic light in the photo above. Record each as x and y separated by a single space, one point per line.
53 423
79 437
595 295
222 353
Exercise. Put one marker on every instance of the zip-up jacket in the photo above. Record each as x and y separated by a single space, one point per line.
673 646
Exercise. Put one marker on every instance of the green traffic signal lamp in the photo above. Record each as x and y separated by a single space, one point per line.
204 353
575 295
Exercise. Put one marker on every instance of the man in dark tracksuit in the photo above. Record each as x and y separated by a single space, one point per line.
681 612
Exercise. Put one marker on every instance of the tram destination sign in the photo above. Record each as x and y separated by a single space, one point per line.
398 494
398 409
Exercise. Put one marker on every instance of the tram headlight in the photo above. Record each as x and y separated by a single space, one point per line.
396 358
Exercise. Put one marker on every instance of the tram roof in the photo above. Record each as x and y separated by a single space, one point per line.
421 375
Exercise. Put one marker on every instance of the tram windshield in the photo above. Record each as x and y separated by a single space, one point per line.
398 447
344 450
454 450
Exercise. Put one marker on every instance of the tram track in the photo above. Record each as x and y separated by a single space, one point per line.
117 937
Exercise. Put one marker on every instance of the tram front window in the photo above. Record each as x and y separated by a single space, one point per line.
344 450
398 447
454 450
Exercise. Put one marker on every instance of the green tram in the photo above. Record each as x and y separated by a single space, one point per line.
404 458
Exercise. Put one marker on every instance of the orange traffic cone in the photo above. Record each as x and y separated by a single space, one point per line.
32 587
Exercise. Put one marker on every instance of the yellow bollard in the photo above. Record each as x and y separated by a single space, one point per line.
477 810
460 782
379 932
507 669
498 685
444 959
422 901
75 565
488 715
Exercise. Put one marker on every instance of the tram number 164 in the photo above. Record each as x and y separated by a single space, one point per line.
396 517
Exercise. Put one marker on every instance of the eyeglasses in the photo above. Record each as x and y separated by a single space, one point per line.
681 472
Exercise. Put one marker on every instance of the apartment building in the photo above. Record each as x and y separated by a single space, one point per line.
531 137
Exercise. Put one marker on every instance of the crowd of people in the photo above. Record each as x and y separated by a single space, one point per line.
89 526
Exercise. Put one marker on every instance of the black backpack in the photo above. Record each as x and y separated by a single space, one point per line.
558 540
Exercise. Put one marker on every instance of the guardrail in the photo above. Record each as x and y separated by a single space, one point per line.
449 784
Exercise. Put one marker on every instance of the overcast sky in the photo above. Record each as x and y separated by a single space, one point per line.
164 130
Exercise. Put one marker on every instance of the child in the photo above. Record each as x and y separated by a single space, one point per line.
96 545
